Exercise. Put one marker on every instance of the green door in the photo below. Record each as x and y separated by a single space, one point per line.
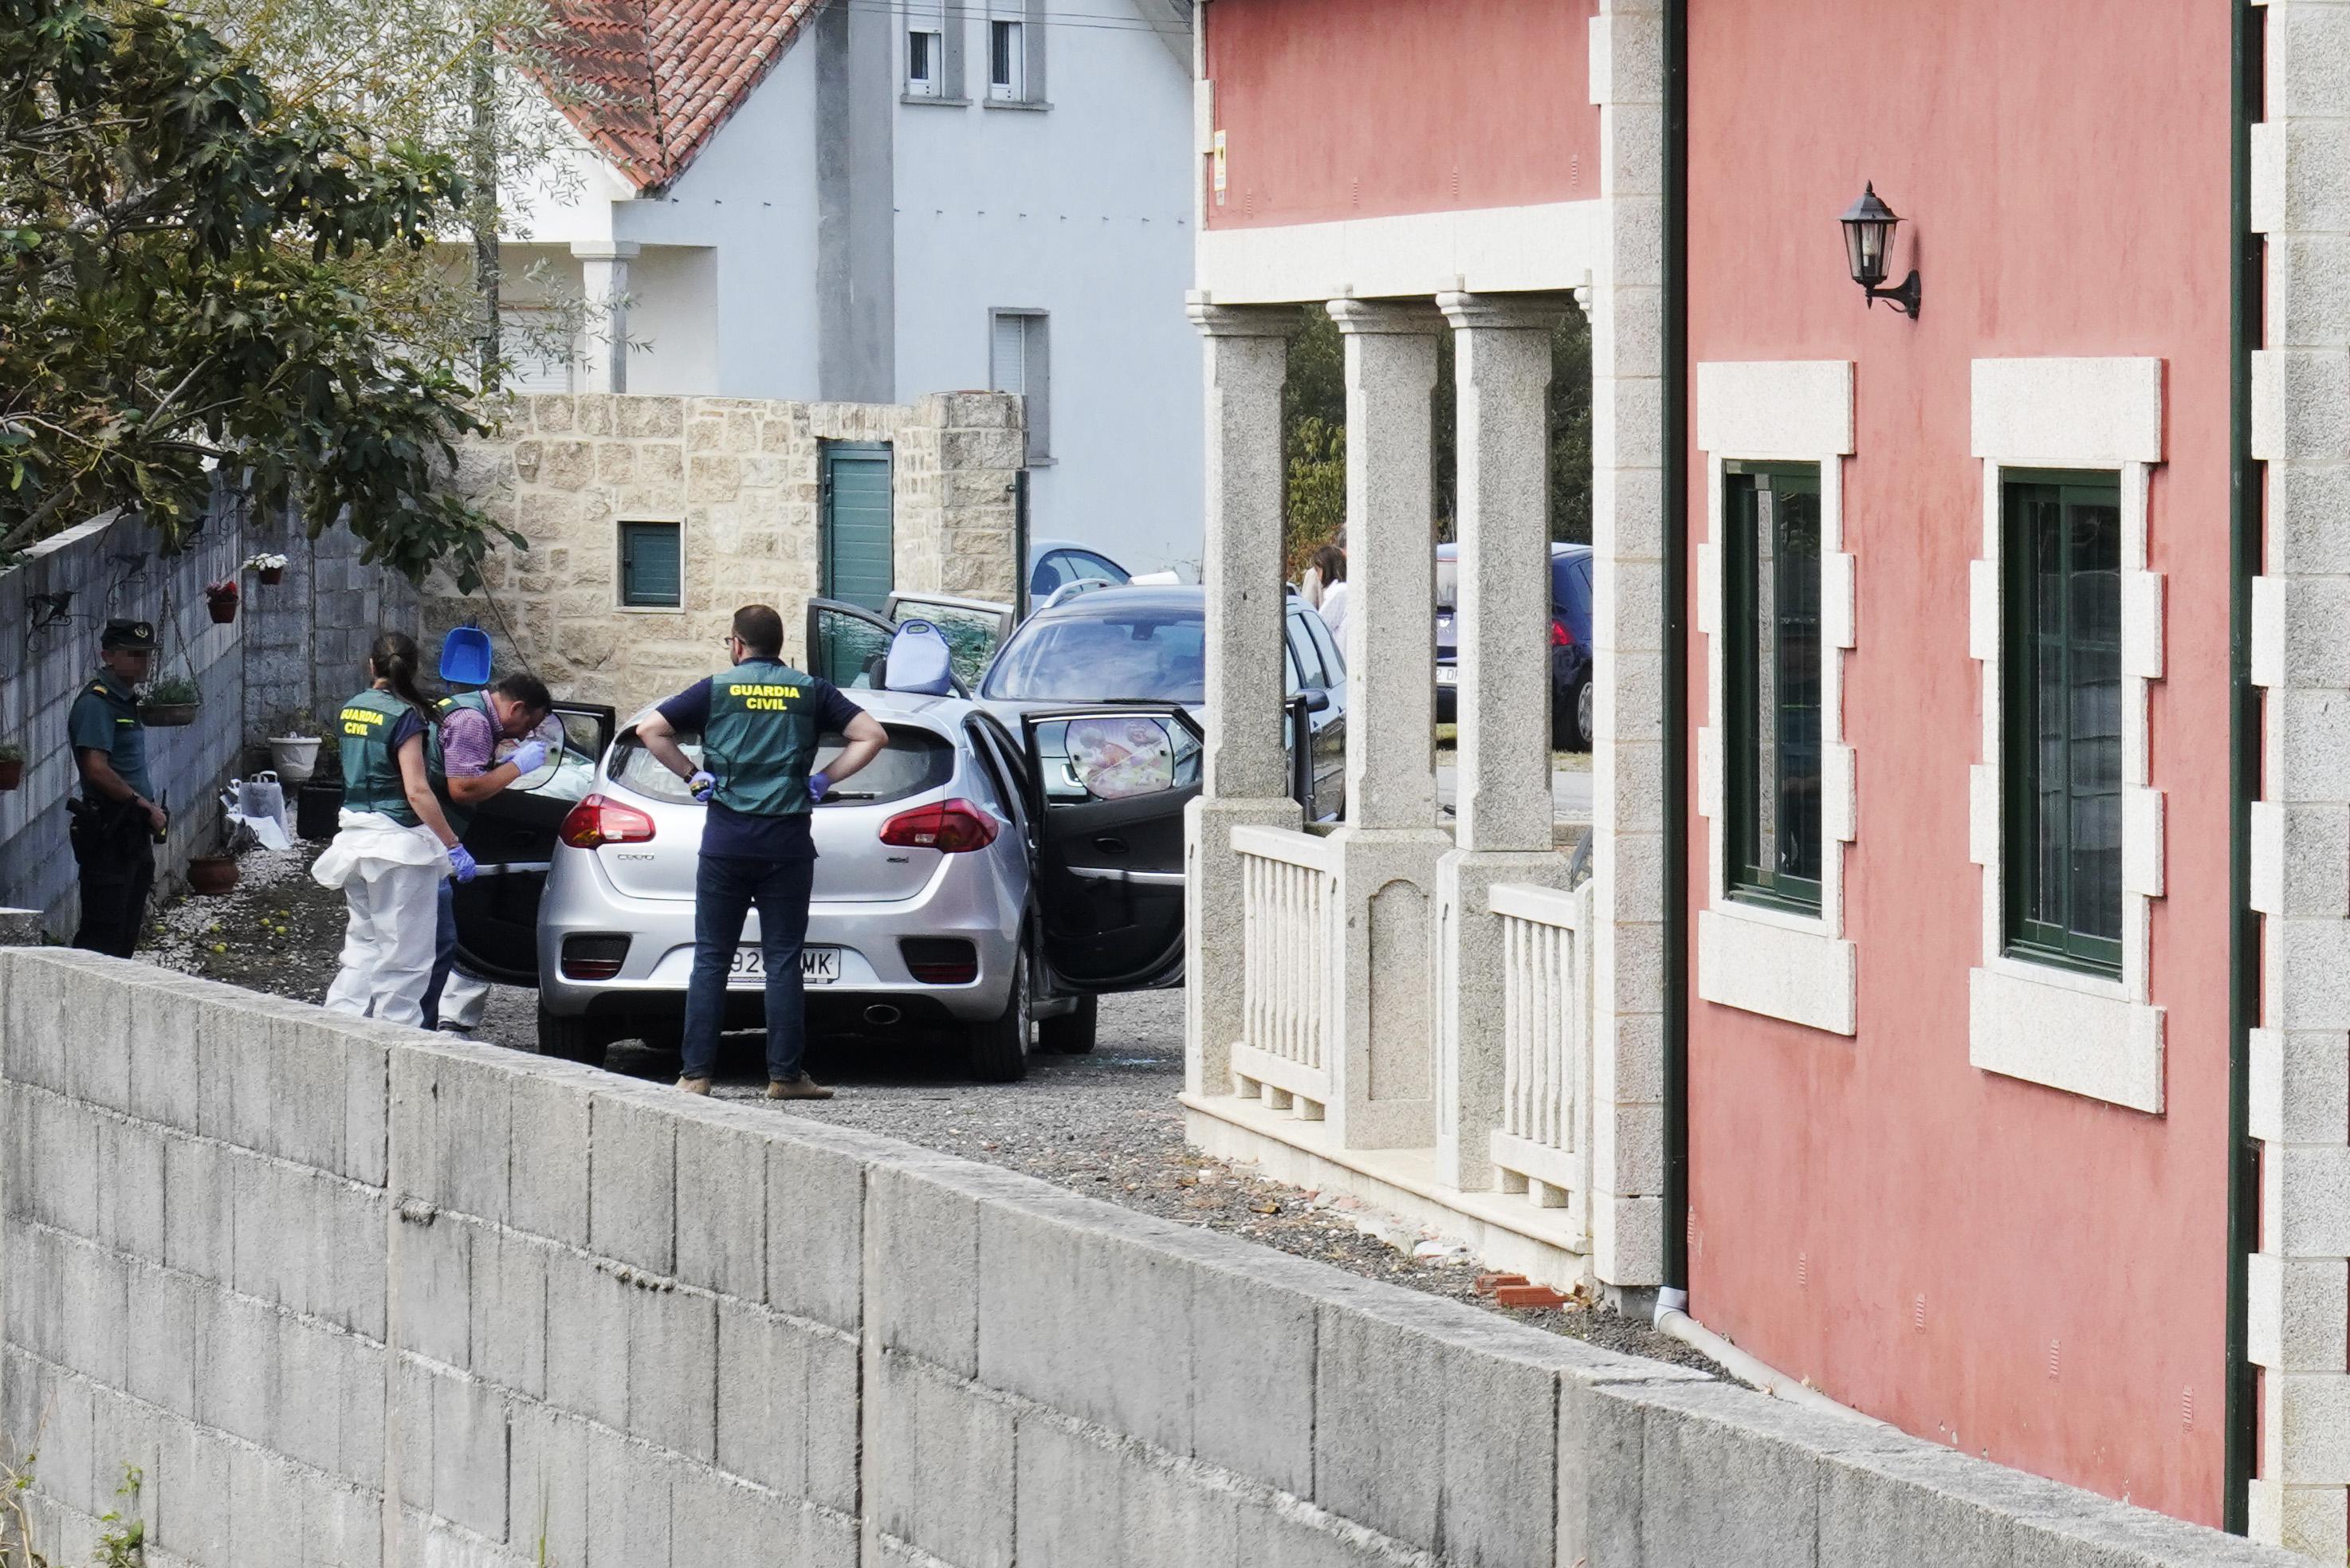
859 565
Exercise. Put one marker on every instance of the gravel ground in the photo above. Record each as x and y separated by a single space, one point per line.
1105 1124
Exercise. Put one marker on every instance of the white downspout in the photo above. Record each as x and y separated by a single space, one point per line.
1672 1320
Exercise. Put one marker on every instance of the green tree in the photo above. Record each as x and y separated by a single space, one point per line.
184 260
1314 418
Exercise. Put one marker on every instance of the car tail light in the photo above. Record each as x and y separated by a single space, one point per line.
954 827
593 958
599 820
1559 636
939 960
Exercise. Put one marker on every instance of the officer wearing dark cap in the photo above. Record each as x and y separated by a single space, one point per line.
116 821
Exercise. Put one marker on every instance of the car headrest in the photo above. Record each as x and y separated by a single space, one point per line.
918 660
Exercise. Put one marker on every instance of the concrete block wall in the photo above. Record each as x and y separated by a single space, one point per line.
111 568
347 1294
306 638
741 477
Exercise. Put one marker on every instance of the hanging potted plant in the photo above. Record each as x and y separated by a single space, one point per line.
221 597
12 767
270 568
171 702
294 753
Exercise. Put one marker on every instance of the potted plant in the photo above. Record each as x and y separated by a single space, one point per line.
12 767
294 754
221 597
270 568
171 702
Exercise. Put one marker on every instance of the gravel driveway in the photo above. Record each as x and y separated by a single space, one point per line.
1105 1124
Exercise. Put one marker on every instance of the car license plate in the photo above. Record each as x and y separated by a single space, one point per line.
818 966
1447 675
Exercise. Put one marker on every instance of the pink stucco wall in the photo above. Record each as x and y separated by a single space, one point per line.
1363 109
2066 166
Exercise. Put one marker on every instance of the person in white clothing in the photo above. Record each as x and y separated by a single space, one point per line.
1330 566
394 846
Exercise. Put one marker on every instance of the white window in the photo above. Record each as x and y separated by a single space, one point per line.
1019 361
536 359
1007 60
925 61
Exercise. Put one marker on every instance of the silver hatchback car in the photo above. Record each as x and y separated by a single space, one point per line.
933 865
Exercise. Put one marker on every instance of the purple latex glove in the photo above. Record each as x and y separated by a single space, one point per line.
701 785
460 863
819 785
529 757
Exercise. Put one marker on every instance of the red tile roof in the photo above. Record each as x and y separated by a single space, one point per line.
648 82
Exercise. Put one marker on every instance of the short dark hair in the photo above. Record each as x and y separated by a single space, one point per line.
527 690
760 628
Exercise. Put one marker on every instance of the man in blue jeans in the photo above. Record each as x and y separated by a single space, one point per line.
760 724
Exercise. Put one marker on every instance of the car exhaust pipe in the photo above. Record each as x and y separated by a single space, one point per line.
881 1016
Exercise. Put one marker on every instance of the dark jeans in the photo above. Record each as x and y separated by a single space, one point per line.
445 951
114 847
725 888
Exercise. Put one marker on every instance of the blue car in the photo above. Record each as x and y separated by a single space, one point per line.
1570 642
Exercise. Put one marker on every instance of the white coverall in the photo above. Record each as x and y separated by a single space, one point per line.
390 876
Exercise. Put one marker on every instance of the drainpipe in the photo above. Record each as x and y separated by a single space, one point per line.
2245 557
1673 1295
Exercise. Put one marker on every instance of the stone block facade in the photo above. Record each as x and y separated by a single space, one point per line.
744 479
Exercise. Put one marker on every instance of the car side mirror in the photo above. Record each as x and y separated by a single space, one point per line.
1316 701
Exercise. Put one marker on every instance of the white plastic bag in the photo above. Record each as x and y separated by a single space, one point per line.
259 803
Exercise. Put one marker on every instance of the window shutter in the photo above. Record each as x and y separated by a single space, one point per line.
1007 370
1036 379
651 566
1033 36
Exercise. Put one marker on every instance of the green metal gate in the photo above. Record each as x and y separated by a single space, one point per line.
858 561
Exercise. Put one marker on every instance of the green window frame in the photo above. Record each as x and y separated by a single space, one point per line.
652 565
2060 693
1771 678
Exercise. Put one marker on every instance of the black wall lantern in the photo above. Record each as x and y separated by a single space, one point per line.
1867 241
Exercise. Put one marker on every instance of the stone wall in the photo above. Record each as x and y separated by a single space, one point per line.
350 1295
111 568
743 477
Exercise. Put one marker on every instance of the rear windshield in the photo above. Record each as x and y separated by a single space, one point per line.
914 762
1152 656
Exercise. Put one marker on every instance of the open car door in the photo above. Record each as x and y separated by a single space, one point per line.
1106 789
975 629
848 644
513 838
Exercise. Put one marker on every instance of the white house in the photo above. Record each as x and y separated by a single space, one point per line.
870 200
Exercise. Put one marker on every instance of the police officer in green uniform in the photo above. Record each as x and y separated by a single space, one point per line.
760 724
116 821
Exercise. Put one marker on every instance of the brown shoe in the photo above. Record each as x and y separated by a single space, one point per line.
694 1086
800 1088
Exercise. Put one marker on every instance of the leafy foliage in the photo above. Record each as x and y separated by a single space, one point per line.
1314 434
182 259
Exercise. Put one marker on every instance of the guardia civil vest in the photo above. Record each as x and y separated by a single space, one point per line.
460 817
370 771
760 739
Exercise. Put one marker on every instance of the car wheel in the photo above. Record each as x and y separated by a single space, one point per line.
999 1047
1579 737
570 1039
1071 1034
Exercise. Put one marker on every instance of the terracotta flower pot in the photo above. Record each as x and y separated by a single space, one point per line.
168 715
209 875
223 608
12 772
272 575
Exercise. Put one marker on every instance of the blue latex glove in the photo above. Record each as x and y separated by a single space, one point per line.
460 863
819 785
529 757
702 785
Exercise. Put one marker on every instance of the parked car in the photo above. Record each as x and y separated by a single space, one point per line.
935 866
1149 645
1570 642
1054 564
